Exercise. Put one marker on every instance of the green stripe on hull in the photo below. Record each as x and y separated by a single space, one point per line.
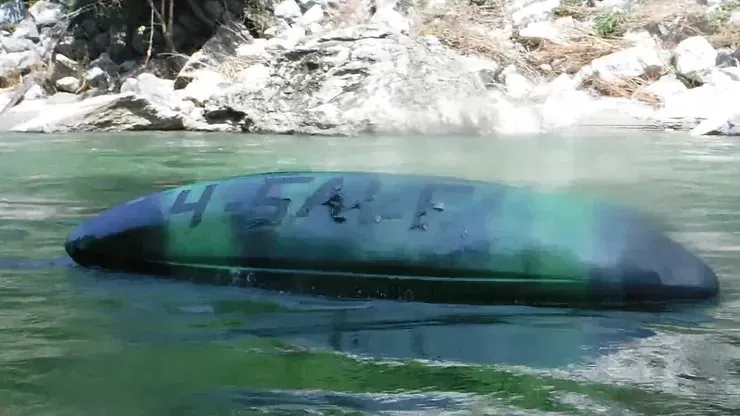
566 242
212 238
386 235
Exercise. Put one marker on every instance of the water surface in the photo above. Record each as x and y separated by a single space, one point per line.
77 342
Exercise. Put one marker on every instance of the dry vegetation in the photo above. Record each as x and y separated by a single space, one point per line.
597 33
11 80
231 67
685 18
350 12
15 78
627 88
463 27
470 28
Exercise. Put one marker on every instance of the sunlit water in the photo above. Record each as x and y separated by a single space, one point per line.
76 342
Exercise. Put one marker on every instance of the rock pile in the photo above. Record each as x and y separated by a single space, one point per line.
359 66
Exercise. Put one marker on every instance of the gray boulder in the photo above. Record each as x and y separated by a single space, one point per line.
117 112
12 12
13 44
18 62
46 13
361 79
26 29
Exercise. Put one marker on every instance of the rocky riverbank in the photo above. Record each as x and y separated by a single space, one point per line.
346 67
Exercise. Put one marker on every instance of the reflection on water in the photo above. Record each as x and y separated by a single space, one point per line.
83 342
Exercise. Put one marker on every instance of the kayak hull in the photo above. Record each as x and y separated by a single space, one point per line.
389 236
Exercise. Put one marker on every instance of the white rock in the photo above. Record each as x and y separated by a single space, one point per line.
386 4
313 15
27 29
641 38
517 119
108 112
714 3
94 74
722 114
253 50
35 93
533 12
666 86
254 78
14 62
65 67
103 74
695 57
517 86
565 105
432 6
106 64
13 45
314 29
632 62
97 77
288 10
68 84
563 84
704 102
476 63
274 31
205 84
392 20
5 98
734 22
271 32
194 120
617 5
717 77
130 85
149 86
46 13
729 127
543 30
721 76
732 72
287 39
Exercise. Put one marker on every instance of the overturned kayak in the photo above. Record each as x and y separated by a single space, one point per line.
390 236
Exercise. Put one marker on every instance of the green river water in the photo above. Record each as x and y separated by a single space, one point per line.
76 342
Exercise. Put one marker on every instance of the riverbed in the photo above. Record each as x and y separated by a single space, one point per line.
77 342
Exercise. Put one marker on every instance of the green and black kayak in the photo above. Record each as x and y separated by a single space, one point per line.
391 236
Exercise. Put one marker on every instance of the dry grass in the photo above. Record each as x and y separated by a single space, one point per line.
11 80
575 10
231 66
15 78
462 26
685 18
459 27
579 52
350 12
632 88
725 39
